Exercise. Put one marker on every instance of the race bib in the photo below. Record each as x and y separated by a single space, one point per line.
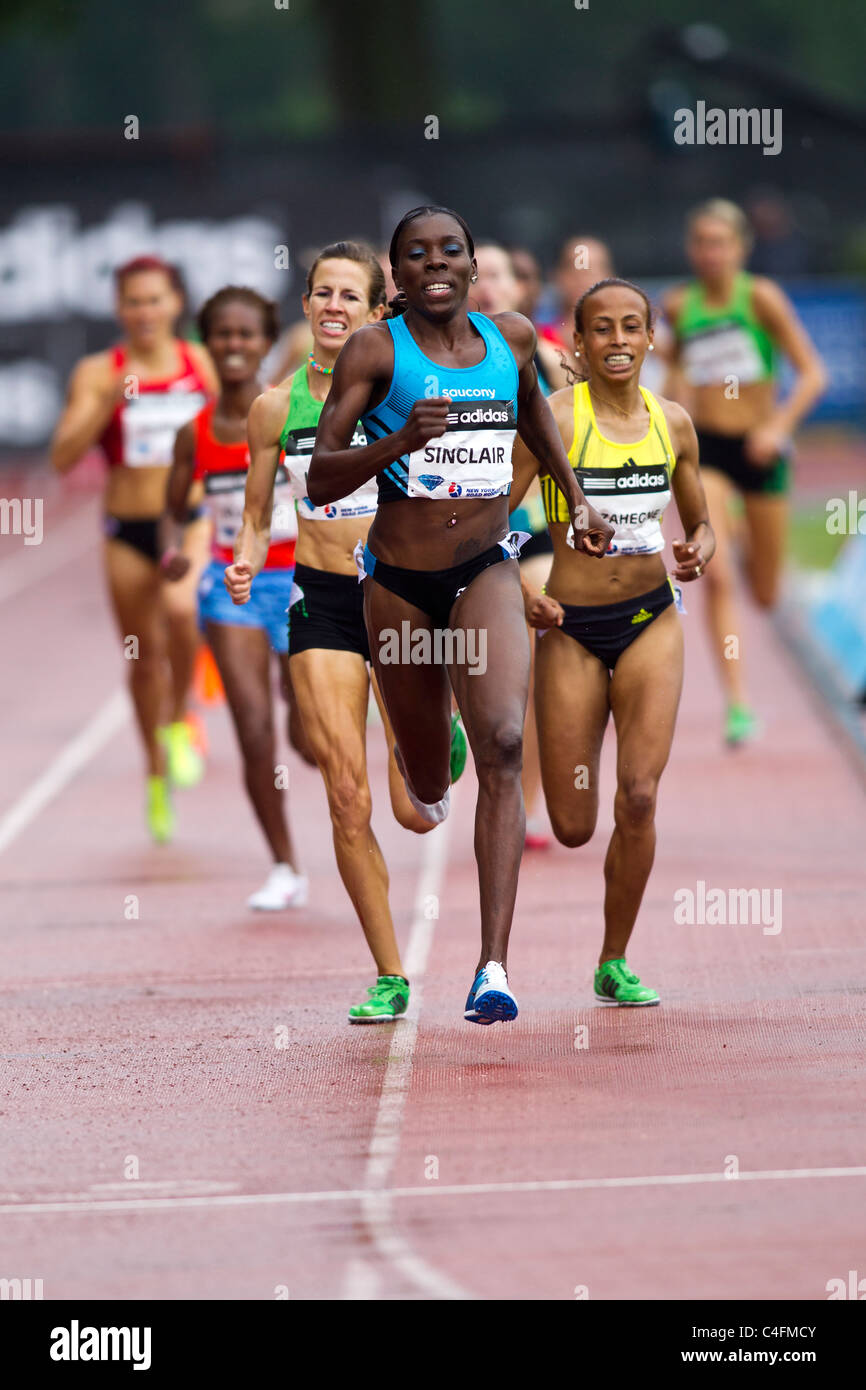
284 518
225 500
149 423
225 494
471 459
721 352
362 502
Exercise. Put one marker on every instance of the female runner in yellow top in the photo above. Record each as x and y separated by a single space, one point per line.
610 640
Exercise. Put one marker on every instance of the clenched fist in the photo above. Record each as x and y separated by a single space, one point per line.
428 419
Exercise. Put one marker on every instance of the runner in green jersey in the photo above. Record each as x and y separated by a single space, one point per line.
730 328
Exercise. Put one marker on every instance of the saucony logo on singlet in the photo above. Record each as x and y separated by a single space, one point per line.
474 393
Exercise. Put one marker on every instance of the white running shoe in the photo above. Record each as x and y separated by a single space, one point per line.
284 888
490 998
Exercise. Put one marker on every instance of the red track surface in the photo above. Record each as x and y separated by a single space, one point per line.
157 1037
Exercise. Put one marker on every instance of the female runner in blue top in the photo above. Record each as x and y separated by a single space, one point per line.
438 391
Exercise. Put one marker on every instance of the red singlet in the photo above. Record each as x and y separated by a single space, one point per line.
140 433
223 468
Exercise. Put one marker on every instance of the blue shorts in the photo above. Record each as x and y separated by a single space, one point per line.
268 606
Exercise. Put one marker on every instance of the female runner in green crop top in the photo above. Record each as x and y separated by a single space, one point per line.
729 328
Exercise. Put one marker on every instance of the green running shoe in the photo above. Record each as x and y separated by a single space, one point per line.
458 748
160 815
615 984
740 725
185 763
389 998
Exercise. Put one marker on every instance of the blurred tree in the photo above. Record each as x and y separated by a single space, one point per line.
381 58
248 68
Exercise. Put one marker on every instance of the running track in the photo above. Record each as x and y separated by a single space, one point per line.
278 1150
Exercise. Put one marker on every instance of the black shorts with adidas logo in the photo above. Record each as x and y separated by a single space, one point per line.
606 630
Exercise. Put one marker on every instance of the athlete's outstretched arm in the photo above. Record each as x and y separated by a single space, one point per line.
541 611
695 552
180 474
366 362
779 317
675 385
524 467
264 427
174 564
539 431
94 391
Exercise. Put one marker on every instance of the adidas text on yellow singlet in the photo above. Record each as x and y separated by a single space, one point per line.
629 484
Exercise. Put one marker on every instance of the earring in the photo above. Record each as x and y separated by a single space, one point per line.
650 347
473 278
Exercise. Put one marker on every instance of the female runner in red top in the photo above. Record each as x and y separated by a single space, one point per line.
239 328
131 400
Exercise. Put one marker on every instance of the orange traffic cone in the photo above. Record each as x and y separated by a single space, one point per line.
206 681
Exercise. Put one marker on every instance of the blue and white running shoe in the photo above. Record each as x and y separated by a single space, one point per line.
490 999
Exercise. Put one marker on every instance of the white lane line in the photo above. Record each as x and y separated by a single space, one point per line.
77 753
377 1213
77 536
87 1206
189 1185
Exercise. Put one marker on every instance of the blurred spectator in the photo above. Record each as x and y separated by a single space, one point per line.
529 277
779 247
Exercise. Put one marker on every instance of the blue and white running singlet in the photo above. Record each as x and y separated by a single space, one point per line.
473 458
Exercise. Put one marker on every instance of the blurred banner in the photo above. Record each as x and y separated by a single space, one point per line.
58 291
834 314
